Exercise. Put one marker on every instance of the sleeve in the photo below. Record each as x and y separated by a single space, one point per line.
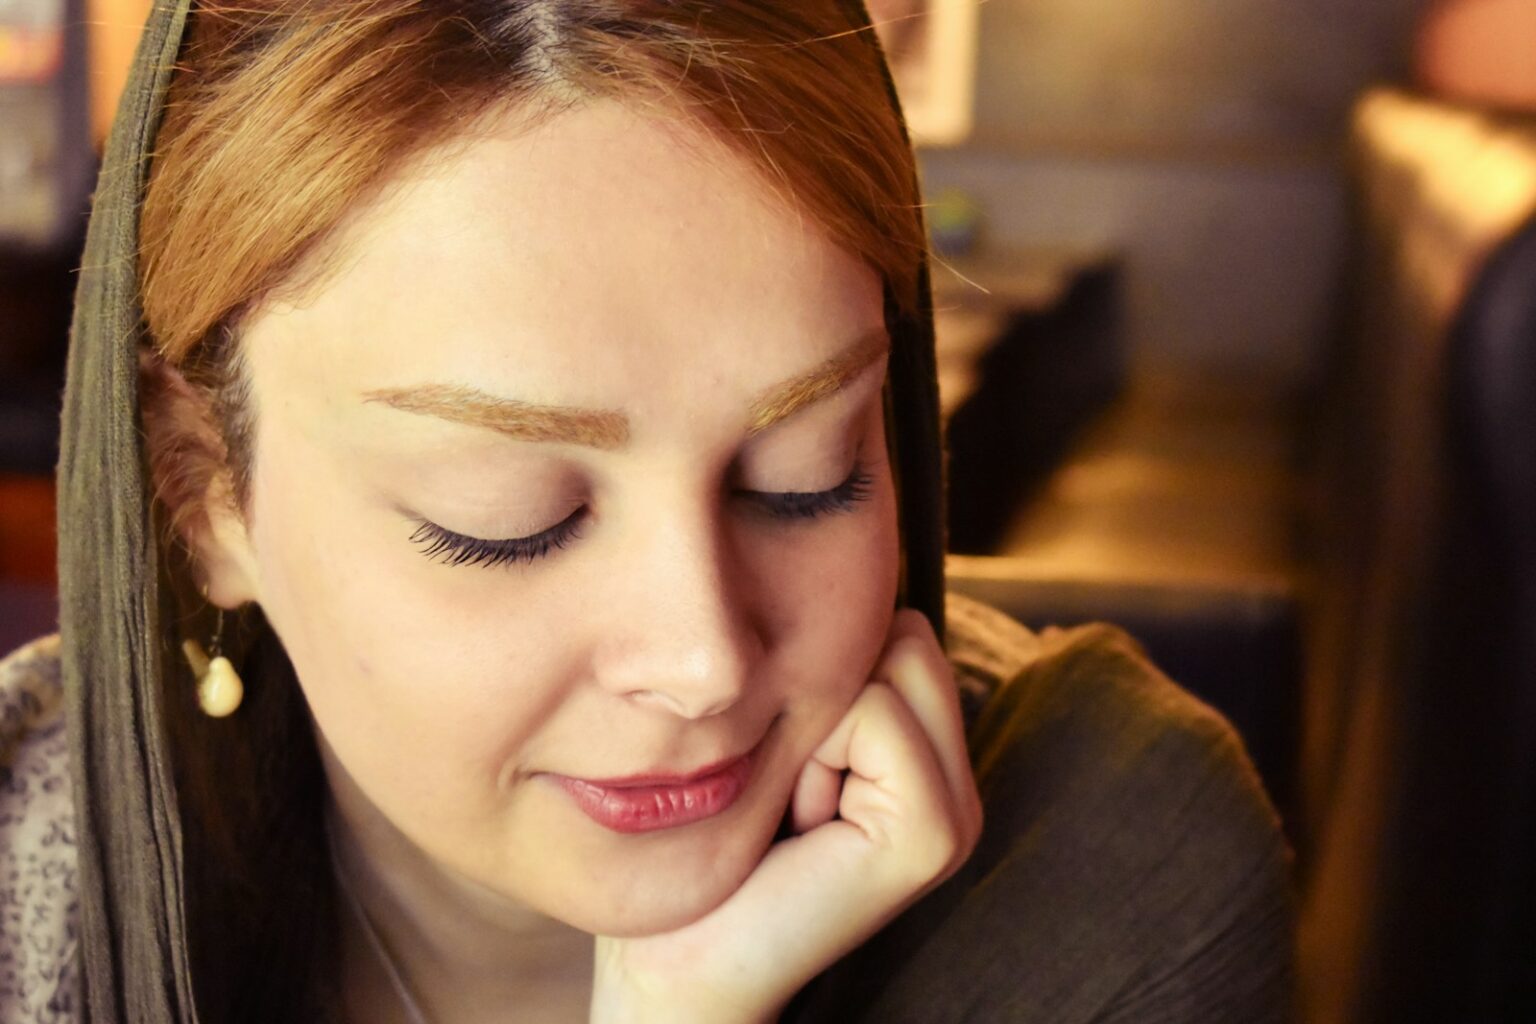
1131 867
38 900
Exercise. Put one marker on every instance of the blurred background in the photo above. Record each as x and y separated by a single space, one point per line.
1237 332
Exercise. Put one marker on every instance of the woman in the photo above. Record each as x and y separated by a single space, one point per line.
534 404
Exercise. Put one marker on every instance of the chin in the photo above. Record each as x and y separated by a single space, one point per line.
667 887
660 912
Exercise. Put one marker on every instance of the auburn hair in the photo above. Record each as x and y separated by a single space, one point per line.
286 114
283 116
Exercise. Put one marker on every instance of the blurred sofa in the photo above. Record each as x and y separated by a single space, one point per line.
1419 769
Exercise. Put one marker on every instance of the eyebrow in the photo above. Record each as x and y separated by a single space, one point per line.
591 428
787 398
609 430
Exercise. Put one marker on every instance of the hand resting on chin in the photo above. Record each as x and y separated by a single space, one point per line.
885 809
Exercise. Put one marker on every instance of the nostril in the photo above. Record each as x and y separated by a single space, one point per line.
686 704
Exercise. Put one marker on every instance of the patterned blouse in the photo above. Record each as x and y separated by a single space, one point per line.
38 902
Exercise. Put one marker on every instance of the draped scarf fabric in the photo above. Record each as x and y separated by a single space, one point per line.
133 909
132 929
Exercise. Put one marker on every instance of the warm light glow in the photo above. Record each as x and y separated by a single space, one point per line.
1472 180
114 35
931 45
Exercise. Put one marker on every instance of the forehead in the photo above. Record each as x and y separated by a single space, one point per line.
601 256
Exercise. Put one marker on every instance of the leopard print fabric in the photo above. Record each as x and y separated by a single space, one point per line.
38 897
39 901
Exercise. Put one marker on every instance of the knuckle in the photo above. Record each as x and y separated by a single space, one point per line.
940 848
917 656
908 621
913 647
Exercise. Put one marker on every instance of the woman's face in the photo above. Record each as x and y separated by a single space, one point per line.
604 334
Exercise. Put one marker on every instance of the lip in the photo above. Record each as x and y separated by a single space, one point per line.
655 801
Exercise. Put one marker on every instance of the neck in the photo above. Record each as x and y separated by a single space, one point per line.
464 954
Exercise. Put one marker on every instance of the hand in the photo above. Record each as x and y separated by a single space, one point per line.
866 846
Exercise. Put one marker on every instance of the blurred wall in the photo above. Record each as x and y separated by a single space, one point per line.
1201 139
1482 51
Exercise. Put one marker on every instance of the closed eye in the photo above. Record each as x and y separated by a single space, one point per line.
451 548
809 504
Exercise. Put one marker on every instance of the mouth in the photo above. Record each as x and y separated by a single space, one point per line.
652 802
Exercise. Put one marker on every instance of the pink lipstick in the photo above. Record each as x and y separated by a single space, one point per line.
652 802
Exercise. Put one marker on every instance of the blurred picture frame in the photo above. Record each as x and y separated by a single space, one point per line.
42 170
31 40
931 45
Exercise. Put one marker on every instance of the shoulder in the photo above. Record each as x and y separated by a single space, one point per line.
1090 741
1083 707
1126 821
38 903
1092 691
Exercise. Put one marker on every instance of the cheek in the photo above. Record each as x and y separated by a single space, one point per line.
834 601
422 686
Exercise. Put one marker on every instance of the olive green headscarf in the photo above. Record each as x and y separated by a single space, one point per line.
134 943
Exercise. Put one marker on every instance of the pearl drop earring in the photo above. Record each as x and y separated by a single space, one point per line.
219 689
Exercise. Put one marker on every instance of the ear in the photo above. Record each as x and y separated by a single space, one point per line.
189 465
221 547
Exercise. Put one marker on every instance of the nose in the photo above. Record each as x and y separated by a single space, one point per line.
683 639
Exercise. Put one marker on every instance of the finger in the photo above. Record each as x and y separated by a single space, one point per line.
816 795
895 791
820 893
917 669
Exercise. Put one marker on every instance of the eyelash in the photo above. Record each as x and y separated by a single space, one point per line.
810 504
452 548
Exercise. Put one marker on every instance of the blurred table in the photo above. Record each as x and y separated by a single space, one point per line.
1176 483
